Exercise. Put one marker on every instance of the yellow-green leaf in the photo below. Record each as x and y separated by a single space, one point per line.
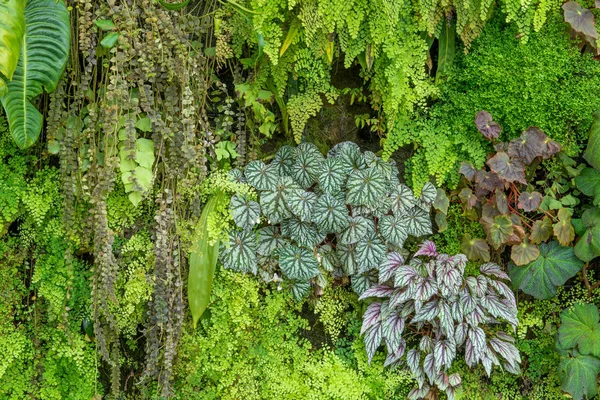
12 29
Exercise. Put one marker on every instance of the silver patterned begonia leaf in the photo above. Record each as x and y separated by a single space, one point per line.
365 187
298 263
239 253
246 212
260 175
330 214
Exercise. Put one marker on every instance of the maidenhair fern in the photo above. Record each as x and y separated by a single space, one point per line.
341 213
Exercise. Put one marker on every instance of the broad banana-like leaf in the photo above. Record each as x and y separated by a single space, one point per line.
12 29
44 54
203 260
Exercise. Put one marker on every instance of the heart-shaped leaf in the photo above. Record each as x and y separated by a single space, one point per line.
507 168
269 239
332 175
358 228
369 253
588 246
541 230
246 212
298 263
555 265
301 203
403 199
563 229
487 126
303 233
500 230
581 19
284 160
578 376
419 222
240 253
393 229
330 214
530 201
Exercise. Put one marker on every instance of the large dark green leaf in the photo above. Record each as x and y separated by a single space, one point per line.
592 152
588 181
580 329
578 376
554 266
588 246
12 28
44 54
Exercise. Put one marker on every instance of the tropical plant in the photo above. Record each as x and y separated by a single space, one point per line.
12 29
43 56
339 213
430 311
578 342
500 197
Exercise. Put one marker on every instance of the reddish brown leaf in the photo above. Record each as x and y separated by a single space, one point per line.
467 197
529 201
581 19
501 201
487 126
475 249
488 180
510 169
467 170
528 146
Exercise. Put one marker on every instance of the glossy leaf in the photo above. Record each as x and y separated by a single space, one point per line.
427 248
362 282
298 263
43 57
300 290
403 199
284 160
240 253
261 176
12 29
246 212
365 187
307 168
467 170
203 260
588 181
330 214
303 233
588 246
555 265
428 194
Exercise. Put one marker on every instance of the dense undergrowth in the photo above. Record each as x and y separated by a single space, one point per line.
310 272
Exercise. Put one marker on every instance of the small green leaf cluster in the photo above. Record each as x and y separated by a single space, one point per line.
430 310
316 214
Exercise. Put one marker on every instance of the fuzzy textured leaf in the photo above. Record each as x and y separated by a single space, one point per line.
507 168
578 376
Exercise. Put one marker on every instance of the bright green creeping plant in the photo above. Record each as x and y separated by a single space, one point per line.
341 213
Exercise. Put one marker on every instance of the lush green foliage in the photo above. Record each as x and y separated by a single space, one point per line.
321 215
429 302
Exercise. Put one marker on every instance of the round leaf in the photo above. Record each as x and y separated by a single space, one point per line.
298 263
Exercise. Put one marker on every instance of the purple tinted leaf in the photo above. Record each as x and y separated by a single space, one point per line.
413 360
509 169
426 344
477 338
470 356
467 197
487 126
425 289
460 333
371 317
581 19
372 340
444 353
428 312
506 350
429 367
467 170
405 276
528 146
388 268
377 291
494 270
392 331
501 201
427 248
454 380
402 296
530 201
419 393
504 336
489 181
467 302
